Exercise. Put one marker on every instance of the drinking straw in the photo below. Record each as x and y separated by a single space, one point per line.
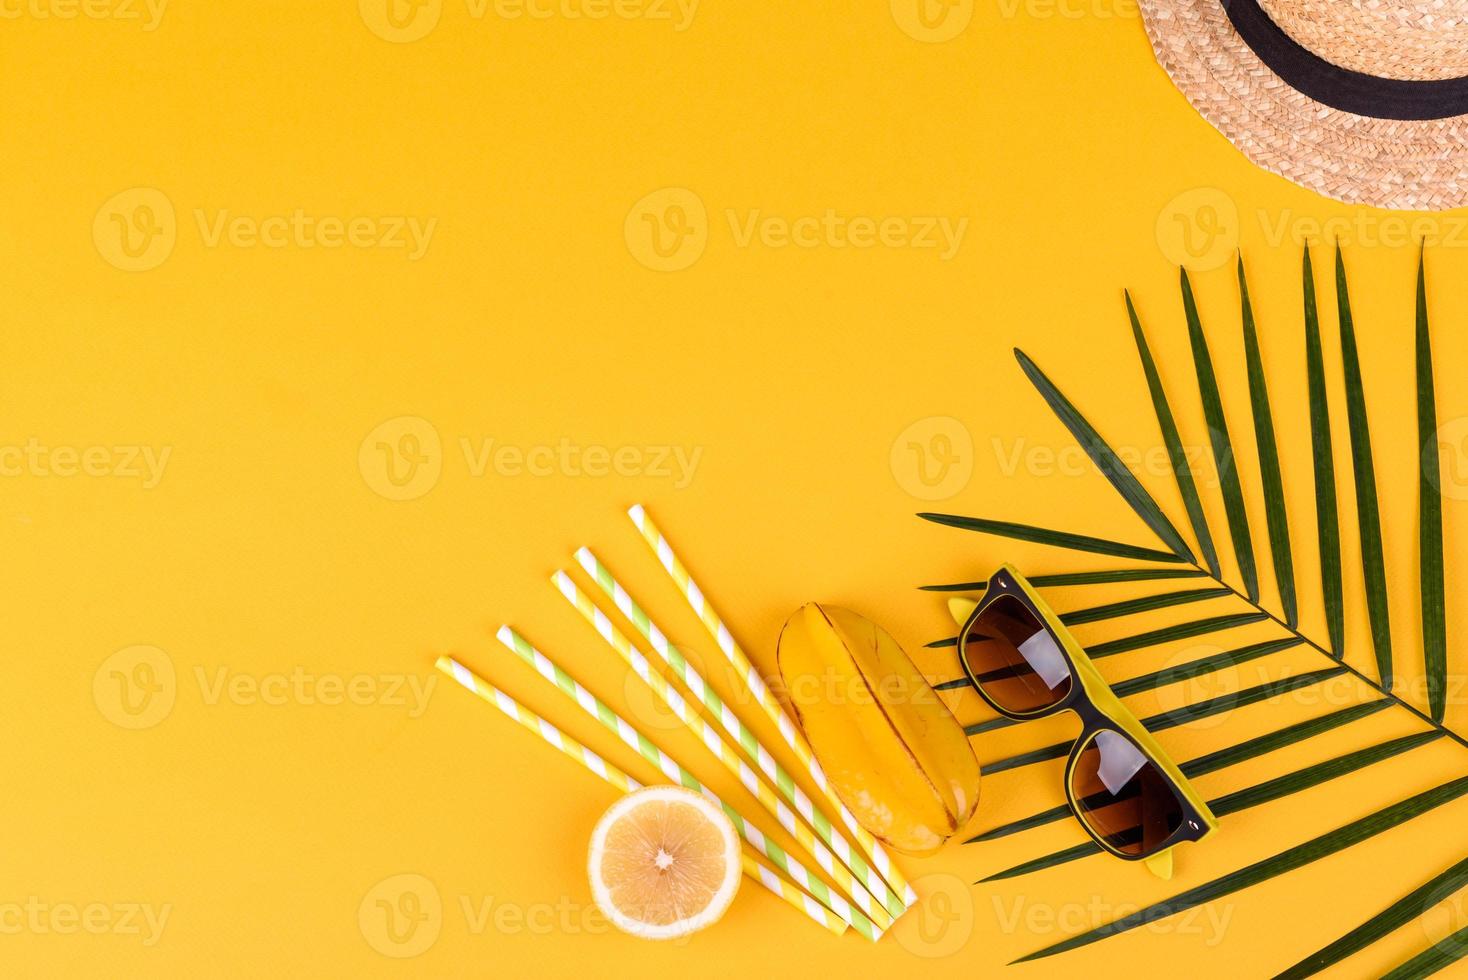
675 772
743 737
715 743
548 732
762 694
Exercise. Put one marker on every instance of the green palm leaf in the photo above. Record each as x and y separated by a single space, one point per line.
1252 796
1183 565
1327 519
1389 919
1081 578
1212 762
1181 631
1273 483
1430 520
1059 539
1105 459
1128 607
1166 634
1429 961
1288 860
1181 466
1223 450
1179 716
1368 517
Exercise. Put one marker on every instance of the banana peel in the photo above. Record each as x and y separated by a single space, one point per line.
893 752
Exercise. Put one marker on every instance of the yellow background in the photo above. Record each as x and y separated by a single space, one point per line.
533 319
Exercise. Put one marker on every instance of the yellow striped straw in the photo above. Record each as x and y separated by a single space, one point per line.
715 743
752 867
676 773
742 736
765 698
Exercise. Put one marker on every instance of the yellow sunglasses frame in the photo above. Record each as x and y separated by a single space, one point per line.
1093 701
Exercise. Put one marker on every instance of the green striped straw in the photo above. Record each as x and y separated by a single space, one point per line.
676 773
552 735
743 737
722 750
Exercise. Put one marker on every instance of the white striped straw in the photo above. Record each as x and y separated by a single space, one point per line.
742 736
766 699
721 749
676 773
752 867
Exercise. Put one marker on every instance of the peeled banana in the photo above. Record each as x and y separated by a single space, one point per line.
892 750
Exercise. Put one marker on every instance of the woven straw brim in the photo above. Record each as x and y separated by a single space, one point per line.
1417 165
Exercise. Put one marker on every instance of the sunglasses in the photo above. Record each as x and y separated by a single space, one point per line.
1128 795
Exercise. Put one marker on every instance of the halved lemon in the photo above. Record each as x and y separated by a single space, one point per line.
664 863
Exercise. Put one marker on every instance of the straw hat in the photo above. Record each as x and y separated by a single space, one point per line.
1365 101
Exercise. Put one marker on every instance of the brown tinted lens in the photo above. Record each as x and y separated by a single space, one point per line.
1015 659
1123 797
